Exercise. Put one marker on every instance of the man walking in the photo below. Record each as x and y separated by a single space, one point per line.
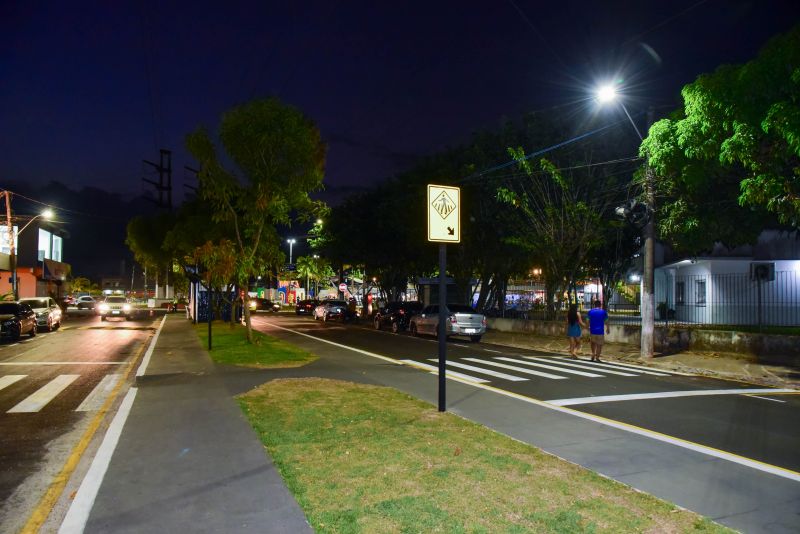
597 328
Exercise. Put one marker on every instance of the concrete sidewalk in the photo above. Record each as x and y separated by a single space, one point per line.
729 366
187 459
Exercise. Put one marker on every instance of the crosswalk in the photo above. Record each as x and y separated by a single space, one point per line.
523 368
53 388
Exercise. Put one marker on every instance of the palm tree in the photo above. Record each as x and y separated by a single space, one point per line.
307 266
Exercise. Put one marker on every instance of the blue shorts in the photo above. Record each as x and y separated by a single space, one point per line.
574 330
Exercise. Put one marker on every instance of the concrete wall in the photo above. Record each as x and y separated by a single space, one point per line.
766 348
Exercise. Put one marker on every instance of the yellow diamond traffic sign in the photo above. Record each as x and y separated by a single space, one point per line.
444 214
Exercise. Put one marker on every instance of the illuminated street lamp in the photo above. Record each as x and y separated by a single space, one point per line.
46 214
607 94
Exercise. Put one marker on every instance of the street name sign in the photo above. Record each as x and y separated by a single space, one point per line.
444 214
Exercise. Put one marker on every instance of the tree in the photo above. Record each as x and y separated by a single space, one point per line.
735 141
145 238
279 157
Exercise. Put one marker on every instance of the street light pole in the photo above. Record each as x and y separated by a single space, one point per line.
291 243
12 237
607 94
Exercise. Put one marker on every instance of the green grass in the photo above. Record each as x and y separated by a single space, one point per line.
229 346
364 458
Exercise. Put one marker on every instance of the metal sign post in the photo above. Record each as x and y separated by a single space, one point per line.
444 226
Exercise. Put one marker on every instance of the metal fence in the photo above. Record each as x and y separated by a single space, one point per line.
703 299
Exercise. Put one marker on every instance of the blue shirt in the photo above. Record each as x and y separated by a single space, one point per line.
597 318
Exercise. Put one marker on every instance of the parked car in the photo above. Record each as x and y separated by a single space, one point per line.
461 321
396 315
331 309
257 304
16 318
48 313
115 307
86 302
306 307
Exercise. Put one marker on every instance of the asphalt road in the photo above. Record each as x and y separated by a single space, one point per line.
51 386
761 426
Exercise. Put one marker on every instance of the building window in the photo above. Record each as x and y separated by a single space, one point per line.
700 292
57 248
680 292
44 244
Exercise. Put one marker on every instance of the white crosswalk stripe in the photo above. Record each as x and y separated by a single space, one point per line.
99 394
7 380
579 366
624 367
515 368
435 370
554 368
483 371
39 399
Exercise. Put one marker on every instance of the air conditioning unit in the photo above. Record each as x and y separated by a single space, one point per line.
764 271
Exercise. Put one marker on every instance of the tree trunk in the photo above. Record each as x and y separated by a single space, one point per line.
247 323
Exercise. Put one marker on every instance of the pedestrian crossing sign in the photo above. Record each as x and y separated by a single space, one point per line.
444 214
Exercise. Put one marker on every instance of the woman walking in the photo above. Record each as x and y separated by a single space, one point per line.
574 325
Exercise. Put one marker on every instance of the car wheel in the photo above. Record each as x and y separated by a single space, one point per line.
396 327
15 333
32 333
377 323
102 317
475 339
413 329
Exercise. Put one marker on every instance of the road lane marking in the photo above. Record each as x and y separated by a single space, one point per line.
39 399
662 395
619 425
554 368
643 370
580 366
7 380
515 368
149 353
495 351
484 371
60 363
448 372
765 398
81 507
103 389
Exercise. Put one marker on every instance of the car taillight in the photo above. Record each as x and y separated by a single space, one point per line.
402 312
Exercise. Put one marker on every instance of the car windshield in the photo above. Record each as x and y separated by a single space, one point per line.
460 308
115 300
9 307
36 303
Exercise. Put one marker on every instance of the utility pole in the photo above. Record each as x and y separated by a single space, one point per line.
648 281
11 246
164 184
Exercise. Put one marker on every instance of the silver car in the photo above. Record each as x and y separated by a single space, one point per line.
461 321
48 313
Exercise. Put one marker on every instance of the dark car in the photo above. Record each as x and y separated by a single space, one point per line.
257 304
396 315
16 319
306 307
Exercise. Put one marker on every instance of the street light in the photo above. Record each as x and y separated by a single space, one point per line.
46 214
607 94
291 243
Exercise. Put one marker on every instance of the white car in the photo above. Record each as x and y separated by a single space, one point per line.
48 313
461 321
85 302
115 307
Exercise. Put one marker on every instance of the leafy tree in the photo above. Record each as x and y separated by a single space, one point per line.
278 158
80 283
145 238
735 141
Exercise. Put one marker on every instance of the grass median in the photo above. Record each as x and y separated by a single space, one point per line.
361 458
229 346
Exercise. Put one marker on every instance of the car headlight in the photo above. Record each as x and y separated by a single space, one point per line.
126 307
103 307
253 305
